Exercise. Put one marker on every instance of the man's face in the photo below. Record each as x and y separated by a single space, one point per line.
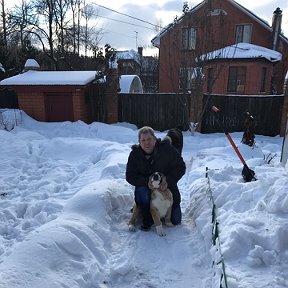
147 142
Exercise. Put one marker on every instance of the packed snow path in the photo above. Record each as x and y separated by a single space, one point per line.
67 196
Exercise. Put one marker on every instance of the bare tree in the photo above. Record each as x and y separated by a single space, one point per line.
194 36
19 23
62 22
90 34
3 25
54 27
75 7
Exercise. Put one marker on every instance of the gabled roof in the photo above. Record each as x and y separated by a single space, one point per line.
243 51
156 40
51 78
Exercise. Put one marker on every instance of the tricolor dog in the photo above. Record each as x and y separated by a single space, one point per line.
175 137
160 205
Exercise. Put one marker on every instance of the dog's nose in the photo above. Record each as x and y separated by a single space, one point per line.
156 177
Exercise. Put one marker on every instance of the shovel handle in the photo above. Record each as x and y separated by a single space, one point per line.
235 148
216 110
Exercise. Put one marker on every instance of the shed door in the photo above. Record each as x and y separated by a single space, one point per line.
59 107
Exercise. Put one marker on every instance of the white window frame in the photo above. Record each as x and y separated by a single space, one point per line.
243 33
189 38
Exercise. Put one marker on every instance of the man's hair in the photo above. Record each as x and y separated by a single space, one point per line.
146 130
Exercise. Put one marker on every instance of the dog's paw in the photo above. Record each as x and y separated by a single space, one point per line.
160 231
169 224
131 228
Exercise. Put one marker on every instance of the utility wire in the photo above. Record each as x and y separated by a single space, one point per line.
125 22
132 37
135 18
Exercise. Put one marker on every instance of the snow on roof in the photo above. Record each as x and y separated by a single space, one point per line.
51 78
130 84
31 63
243 51
128 55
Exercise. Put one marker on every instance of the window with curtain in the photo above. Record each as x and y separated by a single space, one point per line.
243 33
189 38
237 79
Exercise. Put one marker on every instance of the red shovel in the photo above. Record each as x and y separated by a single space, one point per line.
247 174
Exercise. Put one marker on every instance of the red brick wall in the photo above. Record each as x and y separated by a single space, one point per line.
32 103
80 105
253 77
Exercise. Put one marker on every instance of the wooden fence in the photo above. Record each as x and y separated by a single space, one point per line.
163 111
266 110
160 111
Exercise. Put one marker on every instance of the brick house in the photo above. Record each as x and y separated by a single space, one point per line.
131 62
216 25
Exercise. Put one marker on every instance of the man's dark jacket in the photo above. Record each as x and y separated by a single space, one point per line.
164 159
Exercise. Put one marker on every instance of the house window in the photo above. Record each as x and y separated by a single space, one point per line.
189 38
243 33
263 79
189 77
236 79
210 80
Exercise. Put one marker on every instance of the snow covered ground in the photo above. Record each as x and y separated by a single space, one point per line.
65 205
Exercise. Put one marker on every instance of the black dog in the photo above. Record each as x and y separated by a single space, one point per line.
175 137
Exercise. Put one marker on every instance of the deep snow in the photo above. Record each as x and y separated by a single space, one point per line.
63 220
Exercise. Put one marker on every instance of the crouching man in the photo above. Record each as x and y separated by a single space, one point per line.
151 155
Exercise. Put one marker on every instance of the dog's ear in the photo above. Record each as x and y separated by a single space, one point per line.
150 184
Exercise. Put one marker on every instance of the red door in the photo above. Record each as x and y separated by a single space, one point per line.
59 107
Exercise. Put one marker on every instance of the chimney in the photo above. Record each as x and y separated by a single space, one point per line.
276 27
31 64
140 51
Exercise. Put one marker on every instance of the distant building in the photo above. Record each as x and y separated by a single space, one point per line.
149 74
131 62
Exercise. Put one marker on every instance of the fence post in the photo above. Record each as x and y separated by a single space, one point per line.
284 117
111 94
